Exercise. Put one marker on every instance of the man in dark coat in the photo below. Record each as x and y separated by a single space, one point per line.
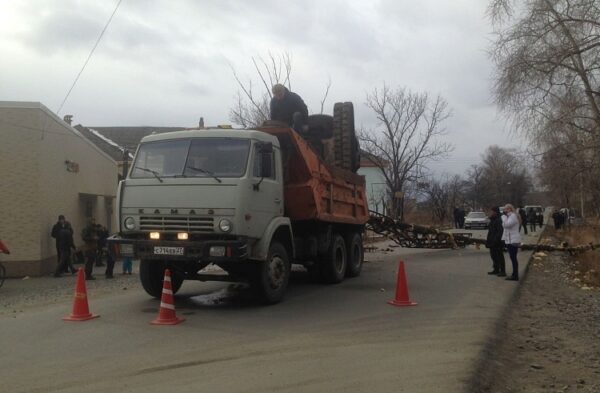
103 235
64 242
288 107
62 223
557 219
523 215
532 218
495 244
456 214
89 235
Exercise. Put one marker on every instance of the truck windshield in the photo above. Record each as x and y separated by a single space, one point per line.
198 157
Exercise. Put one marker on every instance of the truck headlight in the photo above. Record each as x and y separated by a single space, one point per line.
129 223
225 225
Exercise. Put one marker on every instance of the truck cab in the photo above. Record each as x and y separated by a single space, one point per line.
206 196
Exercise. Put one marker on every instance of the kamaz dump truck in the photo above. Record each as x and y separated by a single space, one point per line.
251 201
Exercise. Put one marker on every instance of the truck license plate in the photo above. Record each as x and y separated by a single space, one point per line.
168 250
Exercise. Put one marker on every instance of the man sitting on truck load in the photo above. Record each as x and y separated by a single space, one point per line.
288 107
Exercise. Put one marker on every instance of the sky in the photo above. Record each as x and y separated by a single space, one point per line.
166 63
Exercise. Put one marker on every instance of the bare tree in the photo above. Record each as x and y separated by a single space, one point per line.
252 102
475 186
407 137
438 195
504 178
547 54
251 107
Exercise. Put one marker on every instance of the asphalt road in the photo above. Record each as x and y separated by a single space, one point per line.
320 339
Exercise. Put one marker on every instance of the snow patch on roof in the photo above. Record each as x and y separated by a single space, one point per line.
109 141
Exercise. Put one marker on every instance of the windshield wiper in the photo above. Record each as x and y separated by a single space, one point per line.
209 173
156 174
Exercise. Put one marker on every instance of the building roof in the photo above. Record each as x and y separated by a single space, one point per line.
368 160
129 137
106 145
53 117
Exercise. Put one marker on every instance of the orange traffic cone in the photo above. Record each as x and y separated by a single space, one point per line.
166 314
402 299
81 311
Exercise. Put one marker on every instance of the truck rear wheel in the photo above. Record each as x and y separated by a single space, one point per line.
355 254
273 275
152 274
334 263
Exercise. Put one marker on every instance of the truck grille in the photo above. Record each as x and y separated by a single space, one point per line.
177 224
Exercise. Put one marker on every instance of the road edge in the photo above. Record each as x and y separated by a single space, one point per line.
484 359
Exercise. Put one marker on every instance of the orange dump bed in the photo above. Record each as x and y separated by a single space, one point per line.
314 190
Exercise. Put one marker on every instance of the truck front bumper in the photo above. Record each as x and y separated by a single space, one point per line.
193 250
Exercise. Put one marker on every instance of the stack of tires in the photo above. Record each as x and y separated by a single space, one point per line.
346 149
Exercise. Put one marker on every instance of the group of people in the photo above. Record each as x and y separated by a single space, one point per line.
530 218
94 237
504 231
560 219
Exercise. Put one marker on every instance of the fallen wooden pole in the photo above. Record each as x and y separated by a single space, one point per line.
418 236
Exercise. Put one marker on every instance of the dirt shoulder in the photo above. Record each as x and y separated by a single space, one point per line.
549 338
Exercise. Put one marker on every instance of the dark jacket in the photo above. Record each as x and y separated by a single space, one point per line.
57 228
89 234
64 239
523 215
102 236
494 236
284 109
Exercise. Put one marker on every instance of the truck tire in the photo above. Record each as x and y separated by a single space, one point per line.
151 276
355 254
344 136
273 275
334 262
320 126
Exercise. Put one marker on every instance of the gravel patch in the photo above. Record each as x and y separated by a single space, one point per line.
550 338
21 295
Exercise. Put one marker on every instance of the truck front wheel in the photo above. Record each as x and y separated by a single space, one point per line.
355 254
334 263
151 276
273 275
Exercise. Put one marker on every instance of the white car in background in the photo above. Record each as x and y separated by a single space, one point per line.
477 220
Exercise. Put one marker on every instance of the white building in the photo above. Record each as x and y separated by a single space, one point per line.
47 168
377 190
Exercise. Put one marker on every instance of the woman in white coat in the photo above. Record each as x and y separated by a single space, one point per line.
512 238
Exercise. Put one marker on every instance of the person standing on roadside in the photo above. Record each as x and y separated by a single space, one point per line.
532 218
456 214
495 244
64 239
89 234
556 218
103 235
512 238
62 223
523 216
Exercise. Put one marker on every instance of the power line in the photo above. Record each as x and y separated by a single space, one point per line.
89 56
